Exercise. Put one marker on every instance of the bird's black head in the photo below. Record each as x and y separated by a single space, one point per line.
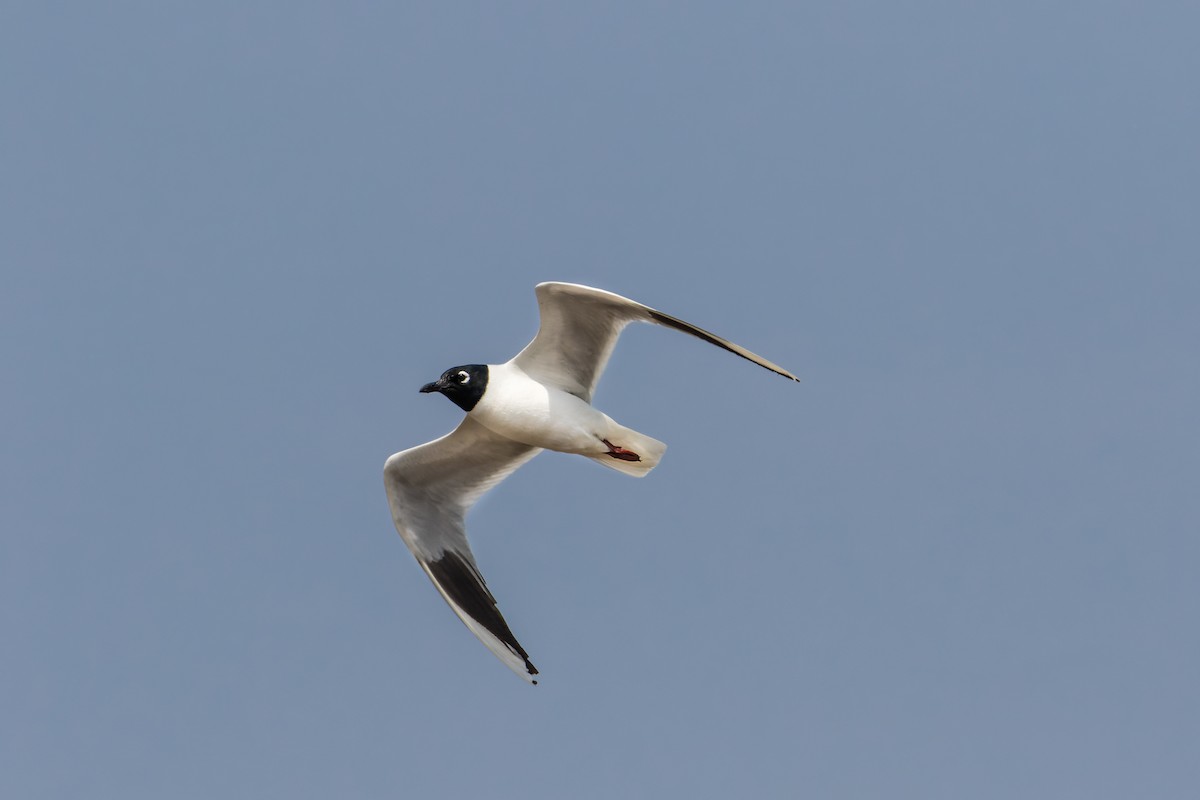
463 385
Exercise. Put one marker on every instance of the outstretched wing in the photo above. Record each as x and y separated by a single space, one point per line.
430 488
579 328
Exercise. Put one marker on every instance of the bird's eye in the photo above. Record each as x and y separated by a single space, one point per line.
463 376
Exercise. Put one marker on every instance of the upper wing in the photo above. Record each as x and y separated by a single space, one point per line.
429 489
579 328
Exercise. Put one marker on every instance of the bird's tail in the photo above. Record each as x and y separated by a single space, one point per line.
649 451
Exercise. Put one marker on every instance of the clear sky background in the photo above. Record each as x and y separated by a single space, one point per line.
959 560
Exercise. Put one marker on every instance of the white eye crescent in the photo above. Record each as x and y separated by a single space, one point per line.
463 377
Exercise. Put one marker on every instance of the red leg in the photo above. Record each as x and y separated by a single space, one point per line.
621 452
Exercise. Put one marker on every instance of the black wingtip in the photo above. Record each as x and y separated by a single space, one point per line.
712 338
464 586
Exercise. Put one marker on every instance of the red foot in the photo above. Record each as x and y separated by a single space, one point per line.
621 452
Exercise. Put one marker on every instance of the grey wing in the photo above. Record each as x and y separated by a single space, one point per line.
579 328
430 488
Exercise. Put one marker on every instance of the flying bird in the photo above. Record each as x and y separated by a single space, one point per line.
539 400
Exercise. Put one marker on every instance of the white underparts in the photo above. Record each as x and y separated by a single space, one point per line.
520 408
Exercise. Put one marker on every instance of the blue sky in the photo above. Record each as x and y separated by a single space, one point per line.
958 560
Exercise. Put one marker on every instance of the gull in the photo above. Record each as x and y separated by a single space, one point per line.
539 400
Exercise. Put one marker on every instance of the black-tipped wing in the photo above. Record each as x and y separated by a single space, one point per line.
430 488
579 328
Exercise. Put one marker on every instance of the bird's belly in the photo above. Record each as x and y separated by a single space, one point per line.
528 412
